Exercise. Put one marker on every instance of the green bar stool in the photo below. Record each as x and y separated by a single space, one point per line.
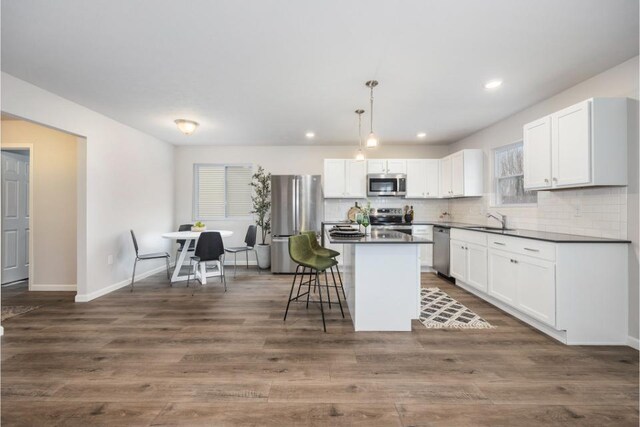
325 252
302 253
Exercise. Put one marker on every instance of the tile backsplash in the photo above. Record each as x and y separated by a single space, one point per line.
599 212
424 209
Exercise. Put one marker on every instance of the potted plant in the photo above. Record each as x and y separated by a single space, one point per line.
261 198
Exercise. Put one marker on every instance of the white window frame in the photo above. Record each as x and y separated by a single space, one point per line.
196 172
494 198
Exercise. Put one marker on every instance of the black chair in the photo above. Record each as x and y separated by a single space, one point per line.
145 257
250 243
181 242
209 248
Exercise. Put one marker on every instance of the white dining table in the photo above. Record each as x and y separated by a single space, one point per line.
188 237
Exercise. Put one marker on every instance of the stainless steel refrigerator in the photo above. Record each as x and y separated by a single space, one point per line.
296 206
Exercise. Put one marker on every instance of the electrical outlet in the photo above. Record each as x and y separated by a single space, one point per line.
578 211
110 260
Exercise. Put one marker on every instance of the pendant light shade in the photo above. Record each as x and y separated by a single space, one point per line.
360 154
186 126
372 140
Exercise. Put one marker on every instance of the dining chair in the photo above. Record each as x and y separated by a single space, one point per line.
146 257
209 248
249 245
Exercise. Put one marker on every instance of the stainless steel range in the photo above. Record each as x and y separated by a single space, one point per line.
389 219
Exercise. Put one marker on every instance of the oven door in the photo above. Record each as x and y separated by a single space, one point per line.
382 185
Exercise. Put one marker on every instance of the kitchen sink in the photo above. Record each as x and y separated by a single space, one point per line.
491 228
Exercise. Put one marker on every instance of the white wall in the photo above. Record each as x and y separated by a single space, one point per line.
608 212
129 184
54 208
277 160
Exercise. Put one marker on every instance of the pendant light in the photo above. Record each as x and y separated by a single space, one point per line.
372 140
360 155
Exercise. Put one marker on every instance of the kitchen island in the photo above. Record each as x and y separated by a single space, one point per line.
381 275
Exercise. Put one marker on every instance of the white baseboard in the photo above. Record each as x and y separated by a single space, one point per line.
1 331
116 286
42 287
633 342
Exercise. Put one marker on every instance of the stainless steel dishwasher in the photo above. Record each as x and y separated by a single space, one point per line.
441 250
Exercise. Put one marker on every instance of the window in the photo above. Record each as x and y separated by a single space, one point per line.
509 176
221 191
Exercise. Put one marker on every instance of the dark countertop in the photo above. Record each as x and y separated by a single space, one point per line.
380 236
525 234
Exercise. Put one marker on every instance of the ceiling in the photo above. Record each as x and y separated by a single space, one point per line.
264 72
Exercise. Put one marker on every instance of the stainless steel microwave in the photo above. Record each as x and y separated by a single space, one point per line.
386 185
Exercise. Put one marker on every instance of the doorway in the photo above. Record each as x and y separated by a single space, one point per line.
16 222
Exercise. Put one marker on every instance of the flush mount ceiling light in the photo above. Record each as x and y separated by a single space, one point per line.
421 134
310 135
372 140
360 154
186 126
492 84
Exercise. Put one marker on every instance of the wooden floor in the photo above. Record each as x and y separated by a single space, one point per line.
162 357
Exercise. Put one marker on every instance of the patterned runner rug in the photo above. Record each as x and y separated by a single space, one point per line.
15 310
439 310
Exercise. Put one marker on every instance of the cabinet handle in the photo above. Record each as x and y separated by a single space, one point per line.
546 180
532 250
427 194
498 243
514 261
555 179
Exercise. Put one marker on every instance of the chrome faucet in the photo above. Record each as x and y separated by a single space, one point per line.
502 219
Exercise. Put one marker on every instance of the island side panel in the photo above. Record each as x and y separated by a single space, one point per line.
387 286
348 279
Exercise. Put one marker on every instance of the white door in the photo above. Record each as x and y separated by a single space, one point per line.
445 177
537 289
396 166
457 174
458 261
536 150
356 179
477 266
503 276
433 178
335 180
376 166
15 216
571 144
416 178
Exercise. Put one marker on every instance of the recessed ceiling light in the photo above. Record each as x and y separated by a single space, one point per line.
421 134
492 84
310 135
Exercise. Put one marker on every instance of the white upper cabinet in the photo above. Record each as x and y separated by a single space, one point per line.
571 144
396 166
537 158
344 178
392 166
334 178
376 166
582 145
461 174
423 178
356 172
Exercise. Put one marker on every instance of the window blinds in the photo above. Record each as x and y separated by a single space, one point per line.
222 191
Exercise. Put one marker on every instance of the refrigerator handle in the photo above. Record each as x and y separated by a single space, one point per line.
296 196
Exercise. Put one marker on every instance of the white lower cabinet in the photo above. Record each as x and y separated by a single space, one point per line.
525 283
426 251
502 276
537 288
468 258
559 288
